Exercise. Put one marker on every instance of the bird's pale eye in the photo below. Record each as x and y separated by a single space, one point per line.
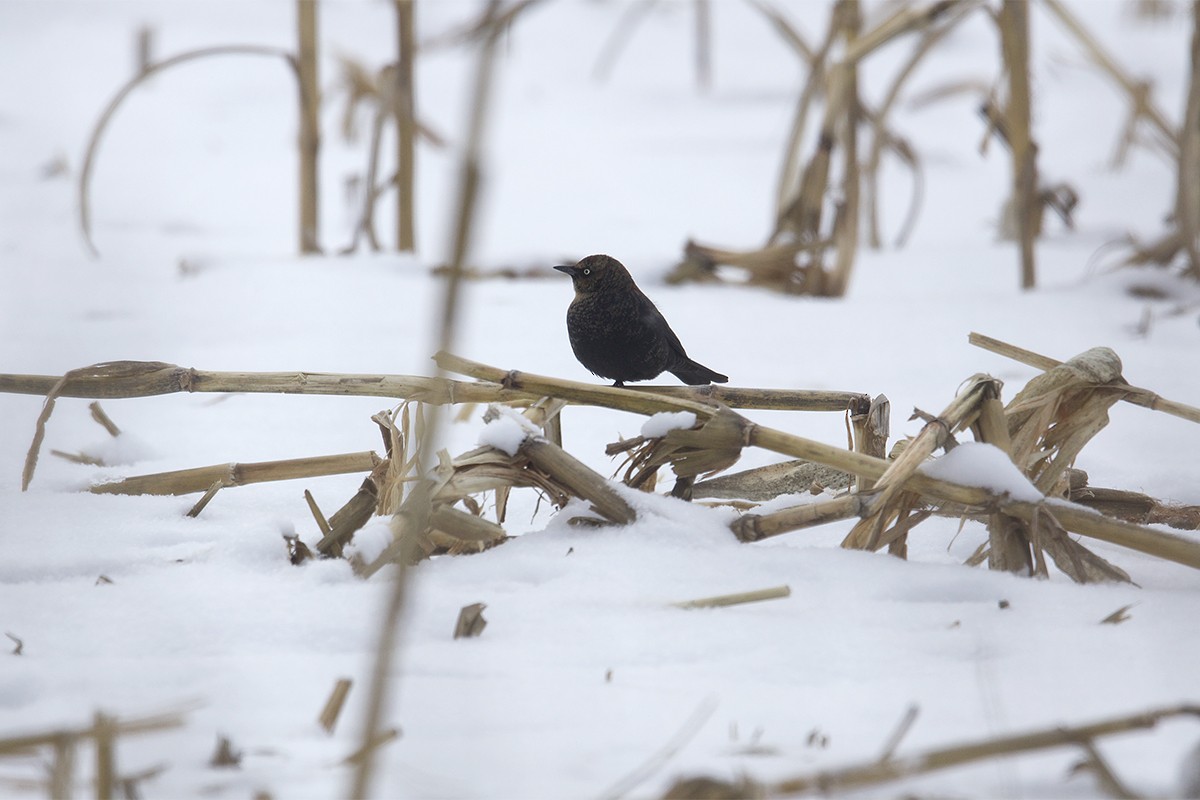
587 271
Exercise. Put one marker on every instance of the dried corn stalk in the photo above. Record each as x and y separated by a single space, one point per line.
401 432
889 505
487 469
766 483
817 196
711 446
1054 417
538 463
1058 412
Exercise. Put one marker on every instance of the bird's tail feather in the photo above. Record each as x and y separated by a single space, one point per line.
694 374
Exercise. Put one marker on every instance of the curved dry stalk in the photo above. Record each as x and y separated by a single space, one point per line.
39 433
85 175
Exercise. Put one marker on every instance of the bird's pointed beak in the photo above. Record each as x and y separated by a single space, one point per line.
570 270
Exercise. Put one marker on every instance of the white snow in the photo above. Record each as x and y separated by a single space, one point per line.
986 466
125 448
664 422
504 433
372 539
585 669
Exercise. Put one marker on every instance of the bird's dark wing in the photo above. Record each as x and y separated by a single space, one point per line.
653 319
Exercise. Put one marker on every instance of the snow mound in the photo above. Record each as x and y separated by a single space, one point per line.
507 431
664 422
986 466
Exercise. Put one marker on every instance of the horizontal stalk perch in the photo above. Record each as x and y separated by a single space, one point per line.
1133 394
199 479
605 396
652 399
125 379
763 399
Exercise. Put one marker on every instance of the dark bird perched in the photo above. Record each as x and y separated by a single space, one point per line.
617 333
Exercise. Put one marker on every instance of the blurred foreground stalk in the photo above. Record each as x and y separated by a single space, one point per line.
412 520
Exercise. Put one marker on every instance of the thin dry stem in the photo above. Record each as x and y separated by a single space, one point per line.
884 771
333 706
39 433
103 420
738 598
322 523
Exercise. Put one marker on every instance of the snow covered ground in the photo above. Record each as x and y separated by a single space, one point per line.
585 671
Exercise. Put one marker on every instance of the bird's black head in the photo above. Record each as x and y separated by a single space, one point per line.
597 273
